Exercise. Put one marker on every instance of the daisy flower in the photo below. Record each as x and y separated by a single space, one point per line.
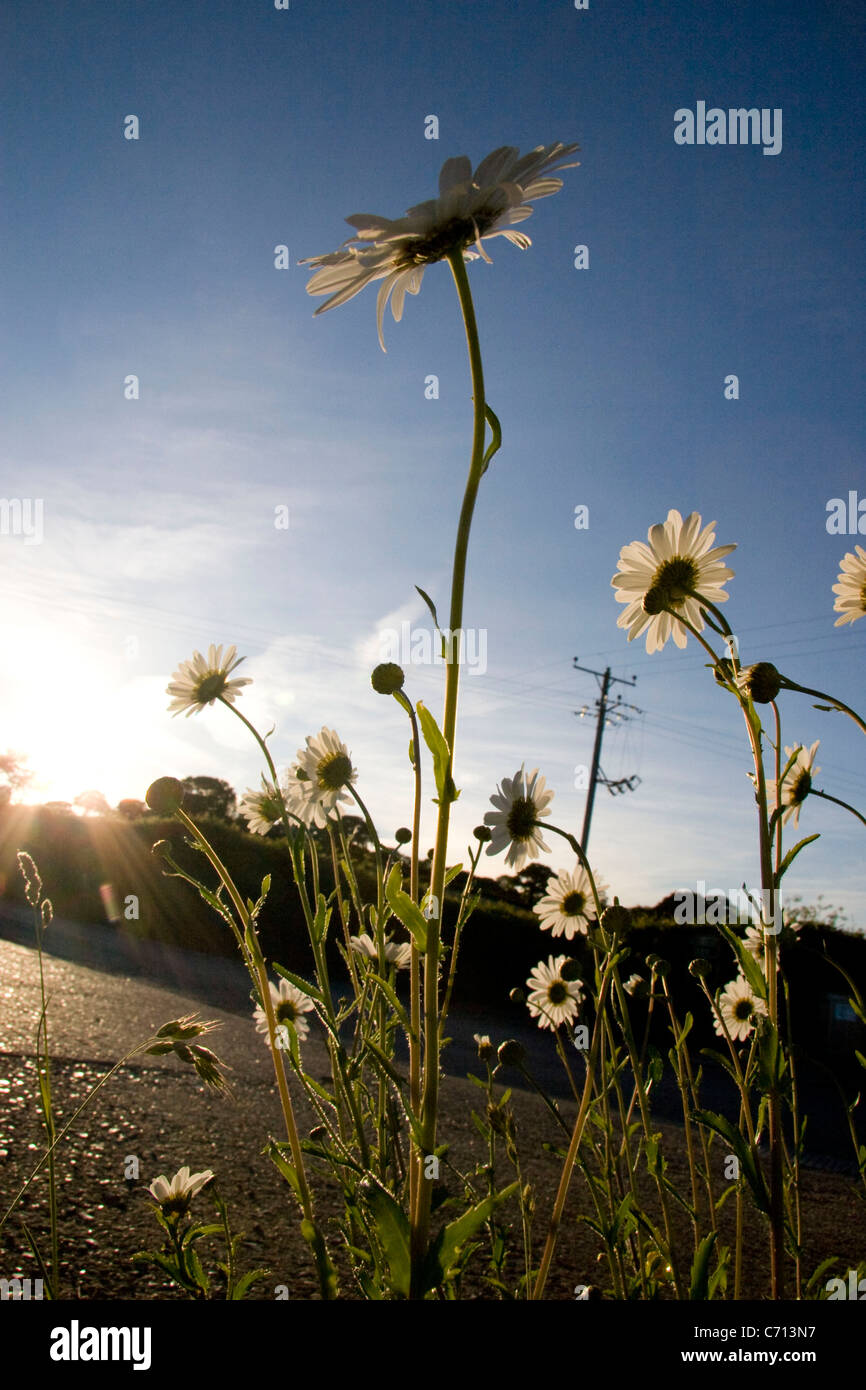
551 999
316 782
521 802
677 560
199 682
796 784
470 208
398 954
289 1007
739 1007
851 588
174 1197
263 809
569 904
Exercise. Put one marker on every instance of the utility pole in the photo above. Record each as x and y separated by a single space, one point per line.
595 776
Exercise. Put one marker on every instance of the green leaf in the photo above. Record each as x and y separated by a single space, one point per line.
495 443
405 910
748 965
392 1228
748 1162
285 1168
771 1060
321 920
430 604
327 1274
384 1062
821 1271
395 1004
300 983
699 1281
435 740
442 1255
790 857
246 1282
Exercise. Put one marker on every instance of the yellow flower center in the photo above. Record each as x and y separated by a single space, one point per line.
674 579
212 686
521 818
573 904
333 771
286 1011
557 992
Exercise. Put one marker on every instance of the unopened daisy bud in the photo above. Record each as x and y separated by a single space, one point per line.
616 919
762 681
483 834
570 970
511 1053
516 995
661 966
653 601
700 968
388 678
403 835
165 796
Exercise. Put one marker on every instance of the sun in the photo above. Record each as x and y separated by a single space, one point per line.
67 709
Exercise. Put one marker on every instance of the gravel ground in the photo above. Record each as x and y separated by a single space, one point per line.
159 1113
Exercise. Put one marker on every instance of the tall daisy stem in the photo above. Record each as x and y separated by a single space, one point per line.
430 1090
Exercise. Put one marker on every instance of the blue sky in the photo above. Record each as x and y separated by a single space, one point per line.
155 257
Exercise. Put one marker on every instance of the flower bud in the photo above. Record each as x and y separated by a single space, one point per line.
570 970
402 836
616 920
388 678
516 995
661 967
483 834
165 796
762 681
700 968
511 1053
484 1045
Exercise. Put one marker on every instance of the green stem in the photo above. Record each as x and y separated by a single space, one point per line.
825 796
831 699
430 1090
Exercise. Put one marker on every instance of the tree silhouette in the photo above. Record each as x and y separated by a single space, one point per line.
209 796
16 774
